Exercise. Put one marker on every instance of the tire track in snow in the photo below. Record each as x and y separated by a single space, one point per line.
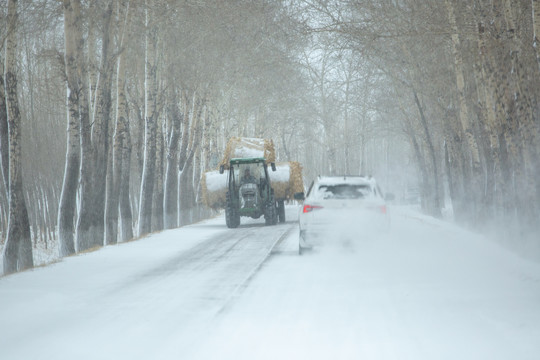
209 275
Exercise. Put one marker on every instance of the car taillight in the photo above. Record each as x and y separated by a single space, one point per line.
383 209
310 208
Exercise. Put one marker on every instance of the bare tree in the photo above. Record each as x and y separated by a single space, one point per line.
121 130
18 246
67 209
171 171
4 145
95 150
147 185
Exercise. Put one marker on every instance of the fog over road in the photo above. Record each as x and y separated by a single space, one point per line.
424 289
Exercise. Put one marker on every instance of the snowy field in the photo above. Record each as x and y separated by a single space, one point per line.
424 289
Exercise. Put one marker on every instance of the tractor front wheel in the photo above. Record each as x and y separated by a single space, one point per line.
281 211
270 214
232 218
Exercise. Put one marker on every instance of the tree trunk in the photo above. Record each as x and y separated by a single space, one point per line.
102 124
463 109
157 211
186 194
4 134
536 28
171 173
67 208
84 232
456 168
186 179
485 86
434 207
111 216
119 139
90 229
123 132
126 216
18 246
525 133
188 111
147 183
197 173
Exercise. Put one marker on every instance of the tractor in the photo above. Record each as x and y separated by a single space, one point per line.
249 191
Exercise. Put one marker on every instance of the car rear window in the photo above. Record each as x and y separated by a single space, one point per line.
344 191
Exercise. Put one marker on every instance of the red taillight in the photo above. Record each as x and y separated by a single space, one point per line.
383 209
310 208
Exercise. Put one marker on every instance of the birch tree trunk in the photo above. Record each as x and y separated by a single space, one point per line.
422 166
126 215
188 111
84 233
124 136
197 173
499 68
4 134
119 138
18 247
509 98
490 57
525 131
147 183
171 172
67 208
485 86
90 229
186 194
157 211
463 108
186 178
434 199
536 28
102 123
457 168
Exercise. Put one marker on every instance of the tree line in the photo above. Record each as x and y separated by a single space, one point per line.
459 80
123 105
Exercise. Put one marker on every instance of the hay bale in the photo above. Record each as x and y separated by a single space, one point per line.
239 147
214 189
296 179
287 180
280 180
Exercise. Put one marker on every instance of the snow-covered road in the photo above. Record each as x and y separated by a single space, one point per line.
423 290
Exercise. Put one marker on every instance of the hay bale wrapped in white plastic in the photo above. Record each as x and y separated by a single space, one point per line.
286 180
240 147
280 180
214 189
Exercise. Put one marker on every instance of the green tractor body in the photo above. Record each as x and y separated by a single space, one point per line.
249 192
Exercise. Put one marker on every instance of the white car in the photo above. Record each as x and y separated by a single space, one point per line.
341 207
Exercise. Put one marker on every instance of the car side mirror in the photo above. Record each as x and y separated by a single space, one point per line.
389 197
221 169
299 196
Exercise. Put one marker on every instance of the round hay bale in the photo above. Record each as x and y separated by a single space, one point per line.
287 180
296 180
214 189
239 147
